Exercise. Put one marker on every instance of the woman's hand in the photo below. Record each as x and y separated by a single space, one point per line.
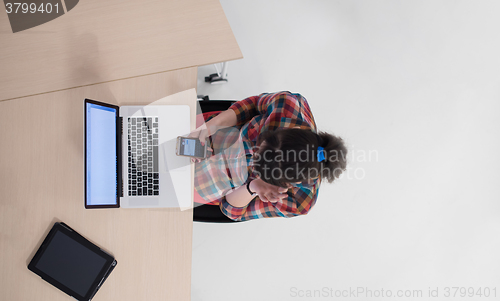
268 192
224 119
202 133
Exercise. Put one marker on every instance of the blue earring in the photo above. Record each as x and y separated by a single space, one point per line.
321 154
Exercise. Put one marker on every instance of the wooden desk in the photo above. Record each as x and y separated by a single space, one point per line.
116 51
99 41
42 181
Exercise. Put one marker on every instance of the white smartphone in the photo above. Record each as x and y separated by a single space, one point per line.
190 147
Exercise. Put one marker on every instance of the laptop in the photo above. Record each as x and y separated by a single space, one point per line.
130 159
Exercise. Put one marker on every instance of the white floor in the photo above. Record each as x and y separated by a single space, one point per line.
414 89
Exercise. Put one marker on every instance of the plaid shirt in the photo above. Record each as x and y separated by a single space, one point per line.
231 165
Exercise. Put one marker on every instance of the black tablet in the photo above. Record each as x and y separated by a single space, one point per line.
71 263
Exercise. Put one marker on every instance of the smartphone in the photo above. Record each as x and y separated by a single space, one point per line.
190 147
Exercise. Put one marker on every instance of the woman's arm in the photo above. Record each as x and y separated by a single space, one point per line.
241 197
299 202
280 104
224 119
244 110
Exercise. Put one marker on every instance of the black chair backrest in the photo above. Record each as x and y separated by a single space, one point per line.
215 105
211 213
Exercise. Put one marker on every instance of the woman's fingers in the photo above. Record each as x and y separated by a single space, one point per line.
268 192
203 136
273 198
279 197
201 132
194 134
263 198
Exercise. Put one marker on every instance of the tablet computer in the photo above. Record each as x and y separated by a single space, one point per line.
71 263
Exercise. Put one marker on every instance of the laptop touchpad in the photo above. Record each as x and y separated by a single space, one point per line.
144 201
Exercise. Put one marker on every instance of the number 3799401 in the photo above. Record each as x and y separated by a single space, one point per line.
26 8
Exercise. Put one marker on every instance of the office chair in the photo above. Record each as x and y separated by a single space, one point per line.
211 213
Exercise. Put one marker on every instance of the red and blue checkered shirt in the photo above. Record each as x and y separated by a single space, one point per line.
231 167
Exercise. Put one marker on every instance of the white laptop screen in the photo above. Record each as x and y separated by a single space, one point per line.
101 160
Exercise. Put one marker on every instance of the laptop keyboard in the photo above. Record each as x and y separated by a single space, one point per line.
143 175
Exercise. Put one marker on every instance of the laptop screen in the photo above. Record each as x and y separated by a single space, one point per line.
101 155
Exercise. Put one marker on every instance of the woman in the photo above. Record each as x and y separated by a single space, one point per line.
269 159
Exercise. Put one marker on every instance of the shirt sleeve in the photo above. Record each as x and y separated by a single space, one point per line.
277 109
300 200
245 109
